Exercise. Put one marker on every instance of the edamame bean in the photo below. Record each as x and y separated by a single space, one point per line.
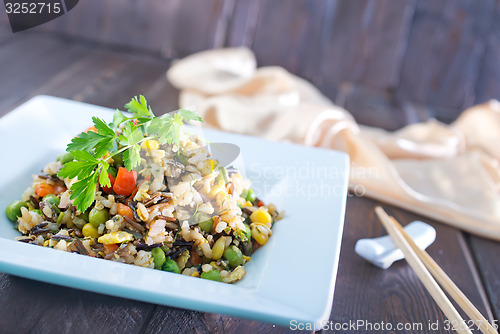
171 266
98 217
52 199
158 257
213 275
13 210
233 256
206 225
251 195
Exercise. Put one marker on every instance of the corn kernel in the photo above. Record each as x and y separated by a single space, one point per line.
195 274
150 144
261 216
260 233
45 243
89 230
115 238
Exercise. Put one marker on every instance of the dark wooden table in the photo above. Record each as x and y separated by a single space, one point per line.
36 63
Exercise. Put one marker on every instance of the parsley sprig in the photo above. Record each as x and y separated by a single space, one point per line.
92 150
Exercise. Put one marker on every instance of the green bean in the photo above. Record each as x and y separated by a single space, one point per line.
158 257
13 210
98 217
213 275
171 266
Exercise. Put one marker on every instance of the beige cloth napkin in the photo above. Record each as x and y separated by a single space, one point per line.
447 172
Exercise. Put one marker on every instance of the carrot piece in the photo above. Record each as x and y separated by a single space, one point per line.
125 182
92 128
107 190
44 189
125 211
110 248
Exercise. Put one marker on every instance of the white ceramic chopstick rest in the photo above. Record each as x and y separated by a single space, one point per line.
382 252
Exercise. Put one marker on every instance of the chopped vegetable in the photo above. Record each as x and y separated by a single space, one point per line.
13 210
108 190
115 237
233 256
110 248
171 266
52 199
125 211
158 257
213 275
44 189
98 217
89 230
125 182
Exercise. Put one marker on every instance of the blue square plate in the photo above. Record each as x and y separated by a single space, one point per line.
291 278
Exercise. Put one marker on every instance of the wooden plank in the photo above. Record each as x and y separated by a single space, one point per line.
243 23
488 85
445 49
484 253
375 108
291 43
175 28
363 41
45 56
32 306
396 295
179 321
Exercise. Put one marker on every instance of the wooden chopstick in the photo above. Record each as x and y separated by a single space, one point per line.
423 274
447 284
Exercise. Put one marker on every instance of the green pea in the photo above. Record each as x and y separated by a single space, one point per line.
213 275
206 225
13 210
158 257
65 158
233 256
52 199
251 195
171 266
98 217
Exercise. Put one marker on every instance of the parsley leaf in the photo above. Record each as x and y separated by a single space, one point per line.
118 118
139 107
189 115
83 192
84 141
103 128
132 157
91 150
